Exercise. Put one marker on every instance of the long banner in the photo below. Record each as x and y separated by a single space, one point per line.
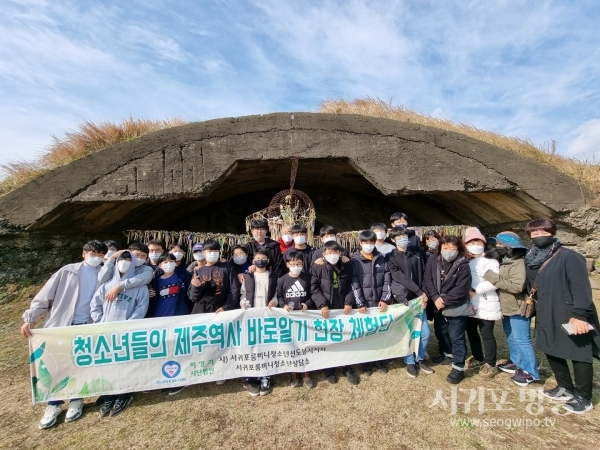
132 356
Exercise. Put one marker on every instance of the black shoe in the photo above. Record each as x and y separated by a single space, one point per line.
254 388
578 405
106 406
425 368
176 390
442 360
455 376
558 394
265 386
508 367
352 377
295 380
381 367
411 370
522 378
121 404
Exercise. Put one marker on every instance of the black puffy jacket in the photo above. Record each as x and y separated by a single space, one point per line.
371 279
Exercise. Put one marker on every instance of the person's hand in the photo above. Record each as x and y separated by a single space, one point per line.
272 303
196 281
219 310
241 277
382 306
325 312
347 309
252 268
243 305
304 307
424 299
26 329
287 308
579 326
319 262
439 303
116 254
151 292
345 259
112 294
362 310
472 293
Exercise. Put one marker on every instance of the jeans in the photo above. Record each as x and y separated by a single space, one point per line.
60 402
520 348
456 331
425 333
582 372
440 327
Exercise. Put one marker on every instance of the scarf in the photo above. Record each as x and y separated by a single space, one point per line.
536 256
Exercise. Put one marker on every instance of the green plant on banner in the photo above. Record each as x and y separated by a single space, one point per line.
42 384
409 320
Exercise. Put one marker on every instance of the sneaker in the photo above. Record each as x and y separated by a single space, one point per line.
121 404
472 363
425 368
220 382
331 378
50 414
381 367
106 406
265 386
295 380
442 360
558 394
246 383
578 405
488 371
309 382
253 388
522 378
176 390
508 367
75 410
455 376
411 370
352 377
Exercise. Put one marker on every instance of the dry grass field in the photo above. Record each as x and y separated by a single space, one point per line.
383 411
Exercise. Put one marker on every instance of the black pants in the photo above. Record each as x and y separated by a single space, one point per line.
582 372
486 328
475 339
440 328
331 371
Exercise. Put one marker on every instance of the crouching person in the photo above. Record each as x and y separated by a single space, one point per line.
331 289
130 304
65 298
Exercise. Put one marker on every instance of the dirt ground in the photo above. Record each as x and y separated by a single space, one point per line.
384 411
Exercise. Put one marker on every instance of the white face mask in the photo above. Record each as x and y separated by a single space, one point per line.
300 240
239 260
367 248
475 249
212 257
380 234
109 254
94 261
178 255
287 238
154 256
402 242
168 267
449 255
433 245
123 265
329 239
139 262
333 258
296 270
198 256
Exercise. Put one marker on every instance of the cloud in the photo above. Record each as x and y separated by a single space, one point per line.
586 141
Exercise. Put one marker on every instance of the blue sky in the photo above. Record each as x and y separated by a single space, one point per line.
524 68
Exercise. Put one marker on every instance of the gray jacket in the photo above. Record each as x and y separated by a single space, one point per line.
57 298
142 275
130 304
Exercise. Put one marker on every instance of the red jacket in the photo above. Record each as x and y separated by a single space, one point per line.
283 246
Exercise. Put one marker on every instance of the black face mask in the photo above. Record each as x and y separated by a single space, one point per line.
502 251
542 241
261 263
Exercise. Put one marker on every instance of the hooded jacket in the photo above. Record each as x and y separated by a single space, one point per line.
249 288
184 305
321 285
371 279
454 290
142 275
57 298
275 259
130 304
406 270
485 302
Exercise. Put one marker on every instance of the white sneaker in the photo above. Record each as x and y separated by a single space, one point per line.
50 415
220 382
75 410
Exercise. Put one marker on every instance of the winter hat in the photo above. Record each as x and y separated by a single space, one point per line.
197 248
509 239
472 234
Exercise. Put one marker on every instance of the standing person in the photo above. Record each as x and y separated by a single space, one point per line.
155 250
130 304
431 241
511 282
484 298
448 281
293 294
406 269
286 240
399 219
142 275
198 257
259 291
112 246
331 288
326 234
380 231
563 296
299 234
370 282
259 230
65 299
240 262
179 250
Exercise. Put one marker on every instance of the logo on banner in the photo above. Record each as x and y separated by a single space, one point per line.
171 369
296 291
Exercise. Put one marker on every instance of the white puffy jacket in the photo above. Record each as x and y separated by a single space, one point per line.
486 302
